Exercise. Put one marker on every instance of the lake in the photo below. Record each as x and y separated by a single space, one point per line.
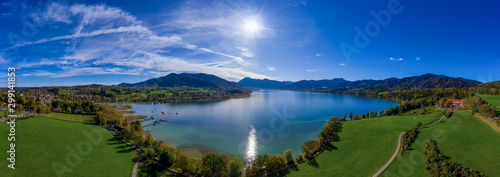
269 121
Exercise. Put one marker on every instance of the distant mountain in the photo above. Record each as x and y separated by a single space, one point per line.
423 81
263 83
315 84
189 80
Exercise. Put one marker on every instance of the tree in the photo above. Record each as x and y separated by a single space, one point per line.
350 115
214 164
299 159
448 114
419 124
167 154
306 151
149 140
235 167
288 156
182 162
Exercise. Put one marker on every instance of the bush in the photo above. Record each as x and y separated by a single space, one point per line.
448 114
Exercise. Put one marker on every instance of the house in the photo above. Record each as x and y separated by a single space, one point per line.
78 110
456 103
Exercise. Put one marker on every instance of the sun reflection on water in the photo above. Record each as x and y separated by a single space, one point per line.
251 148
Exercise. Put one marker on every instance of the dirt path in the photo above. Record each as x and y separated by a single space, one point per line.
135 167
487 120
397 149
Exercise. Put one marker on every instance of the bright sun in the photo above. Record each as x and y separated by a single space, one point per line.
252 26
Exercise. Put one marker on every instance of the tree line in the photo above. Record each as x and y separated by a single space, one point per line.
439 165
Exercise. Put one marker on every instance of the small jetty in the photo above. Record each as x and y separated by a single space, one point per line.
159 121
147 119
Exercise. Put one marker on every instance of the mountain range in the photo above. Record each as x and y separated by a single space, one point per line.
213 82
189 80
422 81
263 83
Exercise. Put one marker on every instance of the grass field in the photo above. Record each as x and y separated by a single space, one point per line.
462 137
385 92
43 142
428 110
161 92
72 117
364 147
64 91
493 99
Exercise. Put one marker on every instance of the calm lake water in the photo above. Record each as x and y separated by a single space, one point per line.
269 121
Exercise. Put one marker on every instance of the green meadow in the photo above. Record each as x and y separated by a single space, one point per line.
365 146
72 117
45 146
493 99
462 137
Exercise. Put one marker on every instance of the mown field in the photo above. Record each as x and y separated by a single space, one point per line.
44 145
364 147
462 137
493 99
72 117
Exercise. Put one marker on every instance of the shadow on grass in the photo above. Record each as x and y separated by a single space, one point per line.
285 172
313 163
114 140
119 145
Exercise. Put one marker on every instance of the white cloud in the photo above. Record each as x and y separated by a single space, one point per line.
239 60
396 59
55 12
318 55
271 68
2 60
314 70
138 29
342 64
39 73
111 41
417 58
245 52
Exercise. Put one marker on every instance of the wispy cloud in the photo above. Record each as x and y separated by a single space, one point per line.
2 60
315 70
245 52
138 29
417 58
271 68
318 55
396 59
107 40
342 64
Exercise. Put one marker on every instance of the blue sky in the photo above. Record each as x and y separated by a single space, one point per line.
69 42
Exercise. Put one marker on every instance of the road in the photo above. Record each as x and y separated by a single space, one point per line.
392 158
397 149
487 120
135 167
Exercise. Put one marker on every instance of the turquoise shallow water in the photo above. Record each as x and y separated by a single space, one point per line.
281 120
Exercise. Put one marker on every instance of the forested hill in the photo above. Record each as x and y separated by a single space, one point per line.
263 83
489 88
199 80
315 84
423 81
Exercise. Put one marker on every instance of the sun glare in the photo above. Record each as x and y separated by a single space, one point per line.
252 26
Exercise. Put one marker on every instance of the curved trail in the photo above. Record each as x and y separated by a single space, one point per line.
134 173
397 149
